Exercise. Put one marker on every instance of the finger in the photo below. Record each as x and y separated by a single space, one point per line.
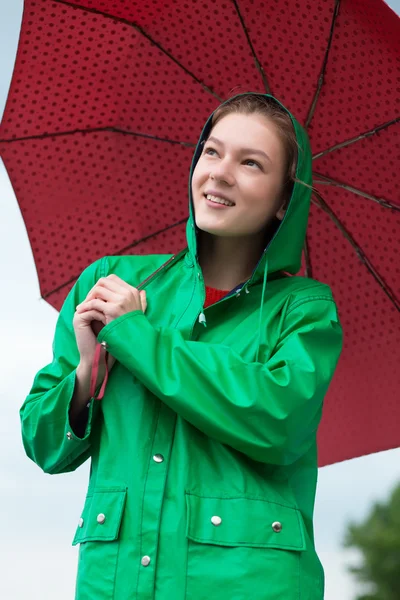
92 315
94 304
116 279
143 300
105 283
113 282
111 290
111 362
103 293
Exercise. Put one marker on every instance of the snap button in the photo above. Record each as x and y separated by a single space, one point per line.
80 522
216 521
158 458
277 527
69 435
101 518
145 561
104 344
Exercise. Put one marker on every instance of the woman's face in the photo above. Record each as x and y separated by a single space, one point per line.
242 162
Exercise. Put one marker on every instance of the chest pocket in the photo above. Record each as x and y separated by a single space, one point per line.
241 548
97 533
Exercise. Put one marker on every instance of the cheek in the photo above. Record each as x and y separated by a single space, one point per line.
264 192
258 200
195 179
254 193
198 179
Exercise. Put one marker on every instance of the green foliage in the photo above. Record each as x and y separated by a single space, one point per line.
378 540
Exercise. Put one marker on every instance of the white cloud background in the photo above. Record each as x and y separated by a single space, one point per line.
39 512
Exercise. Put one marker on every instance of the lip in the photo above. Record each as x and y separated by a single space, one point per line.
216 205
215 193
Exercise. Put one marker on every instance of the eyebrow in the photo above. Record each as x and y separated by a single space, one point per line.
247 150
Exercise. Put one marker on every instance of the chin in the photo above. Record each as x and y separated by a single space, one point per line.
220 231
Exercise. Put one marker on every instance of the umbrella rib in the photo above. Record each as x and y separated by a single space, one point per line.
44 136
147 237
140 30
328 181
60 287
324 66
356 139
257 62
321 203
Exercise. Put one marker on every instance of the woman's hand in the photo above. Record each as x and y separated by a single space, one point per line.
112 297
87 326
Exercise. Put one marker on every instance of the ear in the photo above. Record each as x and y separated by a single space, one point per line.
281 212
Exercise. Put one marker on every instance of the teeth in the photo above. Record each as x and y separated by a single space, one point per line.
219 200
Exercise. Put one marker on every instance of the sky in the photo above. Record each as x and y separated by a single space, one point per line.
40 512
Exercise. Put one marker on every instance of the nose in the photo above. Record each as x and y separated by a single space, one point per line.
222 173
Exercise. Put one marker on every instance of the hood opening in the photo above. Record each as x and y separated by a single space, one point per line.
284 240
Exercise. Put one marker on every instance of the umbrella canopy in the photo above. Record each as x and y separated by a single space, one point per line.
106 104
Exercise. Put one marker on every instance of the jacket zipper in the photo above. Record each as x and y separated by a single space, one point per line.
202 317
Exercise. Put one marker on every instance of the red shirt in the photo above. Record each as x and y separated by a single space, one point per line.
213 295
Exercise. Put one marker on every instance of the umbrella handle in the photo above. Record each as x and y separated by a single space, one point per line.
94 373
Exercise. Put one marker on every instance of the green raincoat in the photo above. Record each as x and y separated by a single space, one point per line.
203 449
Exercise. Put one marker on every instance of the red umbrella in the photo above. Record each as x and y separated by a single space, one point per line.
106 104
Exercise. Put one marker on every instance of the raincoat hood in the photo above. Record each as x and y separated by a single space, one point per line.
283 252
284 249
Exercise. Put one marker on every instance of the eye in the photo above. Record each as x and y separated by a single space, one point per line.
207 150
254 163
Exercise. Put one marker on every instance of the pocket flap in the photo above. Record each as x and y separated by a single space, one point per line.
244 521
102 515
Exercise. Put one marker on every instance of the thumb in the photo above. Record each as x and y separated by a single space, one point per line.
143 300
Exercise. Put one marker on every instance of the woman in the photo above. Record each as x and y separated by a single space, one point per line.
203 448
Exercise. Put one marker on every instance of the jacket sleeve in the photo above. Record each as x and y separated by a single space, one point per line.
47 434
268 411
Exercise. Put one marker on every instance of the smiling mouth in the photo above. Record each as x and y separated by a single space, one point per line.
218 200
